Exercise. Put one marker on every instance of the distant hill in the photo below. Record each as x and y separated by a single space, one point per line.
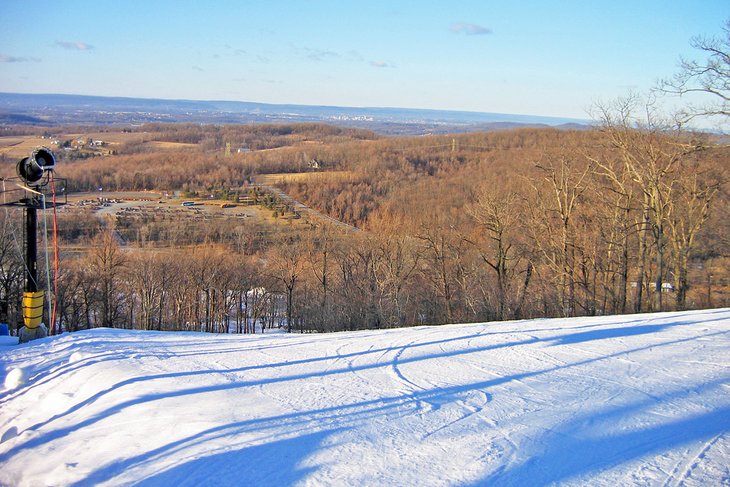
29 109
19 119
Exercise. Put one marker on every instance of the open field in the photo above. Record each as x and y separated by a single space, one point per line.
21 146
158 145
273 179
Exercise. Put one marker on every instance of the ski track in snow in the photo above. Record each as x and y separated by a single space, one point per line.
626 400
683 469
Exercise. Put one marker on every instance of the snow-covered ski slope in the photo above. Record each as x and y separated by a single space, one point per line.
629 400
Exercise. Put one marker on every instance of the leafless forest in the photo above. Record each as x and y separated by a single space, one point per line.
515 224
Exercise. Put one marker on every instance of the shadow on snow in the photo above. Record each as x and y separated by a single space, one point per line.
562 450
278 462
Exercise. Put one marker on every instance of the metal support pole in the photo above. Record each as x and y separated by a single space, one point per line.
31 251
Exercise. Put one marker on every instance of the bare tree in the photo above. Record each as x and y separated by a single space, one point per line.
652 155
258 302
70 300
227 297
623 218
440 252
554 220
319 256
691 209
394 268
497 213
617 201
286 265
368 258
207 265
145 276
11 269
709 76
107 264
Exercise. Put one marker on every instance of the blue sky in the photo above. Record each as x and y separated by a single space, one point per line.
551 58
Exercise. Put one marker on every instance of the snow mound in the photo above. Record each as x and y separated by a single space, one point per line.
628 400
15 378
76 357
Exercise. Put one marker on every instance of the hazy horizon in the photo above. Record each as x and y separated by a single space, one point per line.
304 105
541 59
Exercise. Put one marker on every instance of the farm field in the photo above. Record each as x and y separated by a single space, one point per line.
274 179
20 146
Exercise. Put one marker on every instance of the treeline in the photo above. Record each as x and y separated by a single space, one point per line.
323 280
192 170
285 134
411 175
605 221
137 165
317 280
253 137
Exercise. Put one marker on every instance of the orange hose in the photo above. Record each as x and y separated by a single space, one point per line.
55 257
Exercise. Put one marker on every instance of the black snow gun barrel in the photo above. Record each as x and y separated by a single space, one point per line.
32 168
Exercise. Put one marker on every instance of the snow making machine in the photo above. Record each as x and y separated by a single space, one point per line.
33 189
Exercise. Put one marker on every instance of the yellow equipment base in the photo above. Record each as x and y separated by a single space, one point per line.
33 309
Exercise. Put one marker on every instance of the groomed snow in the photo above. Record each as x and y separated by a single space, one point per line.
630 400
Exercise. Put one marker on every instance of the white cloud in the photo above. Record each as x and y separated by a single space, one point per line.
17 59
75 45
320 54
469 29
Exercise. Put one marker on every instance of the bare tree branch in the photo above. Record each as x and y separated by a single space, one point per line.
710 76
